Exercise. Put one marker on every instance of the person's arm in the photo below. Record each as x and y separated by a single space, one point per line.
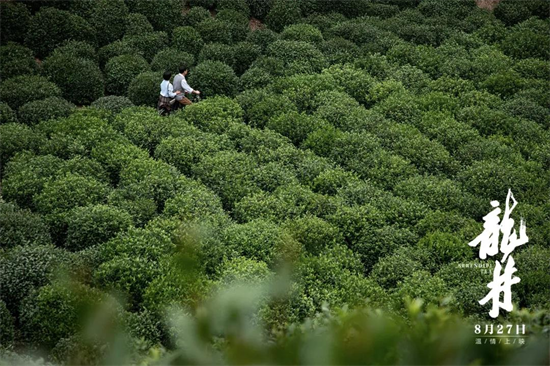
186 87
171 93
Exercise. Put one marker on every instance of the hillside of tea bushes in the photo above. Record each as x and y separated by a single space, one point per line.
343 155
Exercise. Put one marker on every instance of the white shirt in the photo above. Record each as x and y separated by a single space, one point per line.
167 89
186 86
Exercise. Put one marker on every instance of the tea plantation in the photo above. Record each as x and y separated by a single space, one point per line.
314 207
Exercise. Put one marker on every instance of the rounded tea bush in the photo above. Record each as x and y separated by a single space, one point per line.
45 109
112 103
187 39
164 15
149 44
92 225
57 311
245 54
195 16
137 24
7 115
218 52
171 59
120 70
254 78
298 53
237 23
144 89
109 18
117 48
262 38
49 27
16 60
14 21
214 78
238 5
21 227
302 32
25 269
283 13
19 90
77 49
17 137
214 30
80 80
7 328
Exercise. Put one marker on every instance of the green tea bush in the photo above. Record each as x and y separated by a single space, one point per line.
296 126
504 84
45 109
229 174
215 31
302 89
214 78
259 8
112 103
237 23
79 79
422 285
324 21
353 81
528 39
302 32
243 270
19 90
204 4
254 78
187 39
491 179
170 59
258 240
446 247
314 233
451 133
14 21
396 267
94 224
216 114
238 5
21 227
7 115
262 38
25 269
109 18
512 12
260 105
333 278
217 52
338 50
117 48
131 262
533 68
185 152
195 15
7 327
77 49
283 13
70 191
526 108
49 27
197 203
137 24
144 89
18 137
56 312
16 60
149 44
272 65
245 53
298 56
151 179
534 288
26 174
164 16
120 69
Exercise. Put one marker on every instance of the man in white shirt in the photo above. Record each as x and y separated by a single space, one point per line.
180 84
167 93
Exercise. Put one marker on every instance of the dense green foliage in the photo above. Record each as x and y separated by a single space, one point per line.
342 157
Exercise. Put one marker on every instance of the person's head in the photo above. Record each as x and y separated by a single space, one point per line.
167 75
184 69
